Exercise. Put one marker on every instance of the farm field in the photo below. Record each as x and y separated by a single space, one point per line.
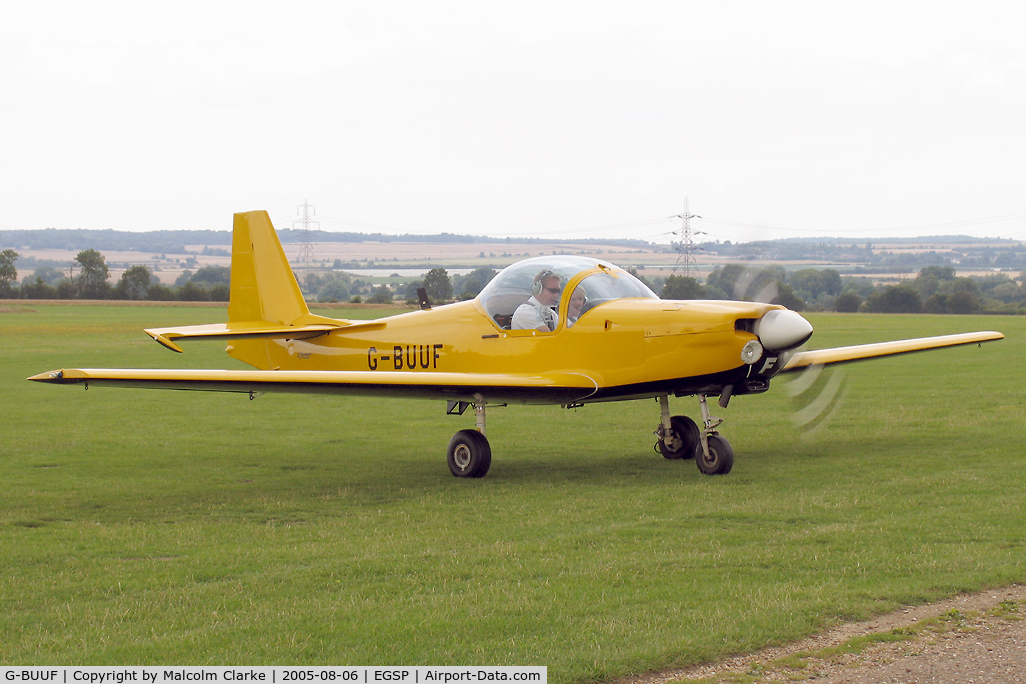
145 527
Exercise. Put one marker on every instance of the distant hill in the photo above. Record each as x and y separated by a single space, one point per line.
896 254
855 254
174 241
922 240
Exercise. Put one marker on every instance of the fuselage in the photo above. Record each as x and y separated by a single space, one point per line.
626 347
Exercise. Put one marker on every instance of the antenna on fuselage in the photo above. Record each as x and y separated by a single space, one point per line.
422 297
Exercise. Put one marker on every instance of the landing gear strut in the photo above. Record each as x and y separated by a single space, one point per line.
680 437
714 455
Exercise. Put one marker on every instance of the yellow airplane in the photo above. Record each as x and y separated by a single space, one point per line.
565 330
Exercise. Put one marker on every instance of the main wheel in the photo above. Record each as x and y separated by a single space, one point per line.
720 459
682 440
469 455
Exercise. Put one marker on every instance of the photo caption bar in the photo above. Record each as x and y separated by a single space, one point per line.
152 674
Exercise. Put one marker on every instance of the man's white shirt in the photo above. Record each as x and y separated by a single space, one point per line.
533 314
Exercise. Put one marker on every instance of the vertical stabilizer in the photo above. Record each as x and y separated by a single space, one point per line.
263 287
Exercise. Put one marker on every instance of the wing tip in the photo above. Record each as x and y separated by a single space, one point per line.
49 376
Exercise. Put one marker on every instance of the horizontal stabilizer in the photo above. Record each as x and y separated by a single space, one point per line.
254 330
870 351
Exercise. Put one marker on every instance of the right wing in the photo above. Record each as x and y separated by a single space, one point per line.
862 352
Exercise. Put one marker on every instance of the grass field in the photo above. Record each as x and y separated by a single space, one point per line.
143 527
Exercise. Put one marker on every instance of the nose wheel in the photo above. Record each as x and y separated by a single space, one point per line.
714 456
680 438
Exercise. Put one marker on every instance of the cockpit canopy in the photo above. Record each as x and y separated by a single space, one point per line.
513 285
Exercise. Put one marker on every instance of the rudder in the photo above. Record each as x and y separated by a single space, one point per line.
263 286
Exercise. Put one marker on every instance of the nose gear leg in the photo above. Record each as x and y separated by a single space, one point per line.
714 455
709 422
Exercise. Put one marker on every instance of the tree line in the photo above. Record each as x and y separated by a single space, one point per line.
963 251
88 277
441 288
935 289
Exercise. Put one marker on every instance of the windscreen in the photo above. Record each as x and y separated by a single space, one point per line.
513 285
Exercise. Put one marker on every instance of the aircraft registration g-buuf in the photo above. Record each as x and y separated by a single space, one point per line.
618 341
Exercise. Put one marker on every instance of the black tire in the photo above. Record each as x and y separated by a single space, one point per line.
682 440
721 456
469 454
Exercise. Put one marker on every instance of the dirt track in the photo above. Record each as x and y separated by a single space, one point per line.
975 638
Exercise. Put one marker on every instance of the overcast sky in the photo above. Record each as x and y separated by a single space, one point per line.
573 119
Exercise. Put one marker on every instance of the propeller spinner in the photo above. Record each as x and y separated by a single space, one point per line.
782 329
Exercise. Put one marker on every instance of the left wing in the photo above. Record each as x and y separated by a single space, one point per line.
497 387
870 351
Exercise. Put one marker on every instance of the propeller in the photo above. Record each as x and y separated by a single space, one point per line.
760 282
816 392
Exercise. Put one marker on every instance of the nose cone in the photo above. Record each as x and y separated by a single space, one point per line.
782 329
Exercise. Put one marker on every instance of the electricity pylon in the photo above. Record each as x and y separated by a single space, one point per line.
686 247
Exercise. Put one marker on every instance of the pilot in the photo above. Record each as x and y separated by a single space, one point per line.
577 301
537 311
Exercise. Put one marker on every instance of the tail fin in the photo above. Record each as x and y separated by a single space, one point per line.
263 287
266 306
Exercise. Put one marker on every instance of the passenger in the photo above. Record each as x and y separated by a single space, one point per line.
577 301
537 311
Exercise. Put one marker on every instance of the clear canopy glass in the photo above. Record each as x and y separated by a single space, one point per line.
512 286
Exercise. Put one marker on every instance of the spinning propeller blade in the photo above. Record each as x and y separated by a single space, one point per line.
817 392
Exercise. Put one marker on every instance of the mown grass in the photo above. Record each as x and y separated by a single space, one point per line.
151 527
